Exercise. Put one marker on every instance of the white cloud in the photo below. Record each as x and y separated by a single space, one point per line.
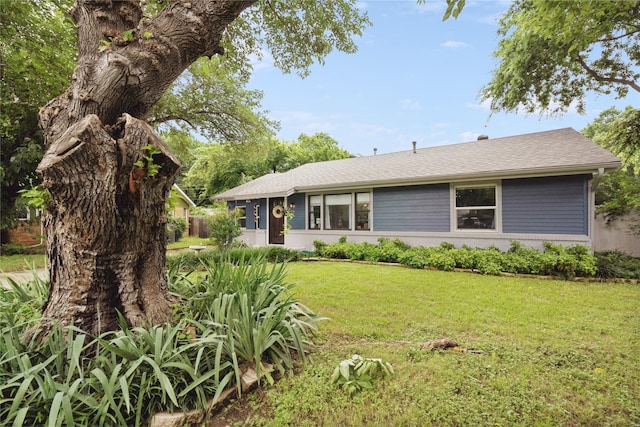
451 44
469 136
432 6
306 122
484 105
262 61
408 104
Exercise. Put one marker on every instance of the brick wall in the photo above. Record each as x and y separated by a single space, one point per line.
25 233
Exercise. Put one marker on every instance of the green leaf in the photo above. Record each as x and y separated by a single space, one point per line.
54 411
128 35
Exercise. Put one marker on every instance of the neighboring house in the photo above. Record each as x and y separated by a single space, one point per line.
181 204
530 188
28 231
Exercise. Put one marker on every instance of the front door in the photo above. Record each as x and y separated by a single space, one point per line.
276 221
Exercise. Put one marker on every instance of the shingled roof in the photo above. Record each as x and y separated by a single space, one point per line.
562 151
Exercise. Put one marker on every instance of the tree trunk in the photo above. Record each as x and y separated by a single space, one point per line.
106 223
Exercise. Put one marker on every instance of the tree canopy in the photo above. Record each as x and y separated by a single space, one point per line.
218 167
552 53
110 174
210 99
36 37
618 192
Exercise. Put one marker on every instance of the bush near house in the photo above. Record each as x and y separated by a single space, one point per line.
189 261
555 260
617 264
179 225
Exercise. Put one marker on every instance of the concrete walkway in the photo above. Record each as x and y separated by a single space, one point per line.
23 276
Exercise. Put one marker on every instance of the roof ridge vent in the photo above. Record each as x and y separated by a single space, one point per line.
481 137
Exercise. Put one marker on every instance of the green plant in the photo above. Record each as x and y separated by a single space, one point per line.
357 373
147 163
179 225
37 196
225 227
617 264
249 302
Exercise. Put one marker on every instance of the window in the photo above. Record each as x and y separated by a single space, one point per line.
349 211
476 207
315 206
337 212
363 207
241 216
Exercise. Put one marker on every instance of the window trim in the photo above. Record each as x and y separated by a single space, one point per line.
237 208
349 211
352 210
474 184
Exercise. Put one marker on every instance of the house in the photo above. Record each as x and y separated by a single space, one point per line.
180 205
530 188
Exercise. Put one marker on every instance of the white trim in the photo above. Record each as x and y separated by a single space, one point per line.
476 184
184 196
352 210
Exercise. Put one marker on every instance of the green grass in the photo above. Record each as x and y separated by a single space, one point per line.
552 352
185 242
27 262
22 262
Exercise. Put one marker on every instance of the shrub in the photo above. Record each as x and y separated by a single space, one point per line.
556 260
179 225
616 264
224 229
465 257
416 257
489 262
249 303
12 249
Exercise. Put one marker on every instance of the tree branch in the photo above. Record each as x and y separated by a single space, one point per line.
101 20
610 39
600 78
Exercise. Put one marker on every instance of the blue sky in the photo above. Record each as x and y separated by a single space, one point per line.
414 78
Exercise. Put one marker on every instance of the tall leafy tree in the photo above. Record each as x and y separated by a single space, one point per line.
210 99
36 60
218 167
618 192
37 37
109 173
553 52
319 147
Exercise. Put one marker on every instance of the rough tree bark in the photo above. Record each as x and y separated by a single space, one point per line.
106 223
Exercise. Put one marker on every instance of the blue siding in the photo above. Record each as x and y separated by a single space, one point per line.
250 225
262 213
552 205
415 208
297 222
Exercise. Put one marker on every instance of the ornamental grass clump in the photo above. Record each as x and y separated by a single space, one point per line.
235 315
249 302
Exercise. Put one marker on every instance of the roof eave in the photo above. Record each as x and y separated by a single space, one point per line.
480 176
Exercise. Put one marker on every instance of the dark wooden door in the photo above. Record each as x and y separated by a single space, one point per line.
276 221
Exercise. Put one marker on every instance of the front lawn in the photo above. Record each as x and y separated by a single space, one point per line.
20 262
545 352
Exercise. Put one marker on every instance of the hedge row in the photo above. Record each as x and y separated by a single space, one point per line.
190 261
555 260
